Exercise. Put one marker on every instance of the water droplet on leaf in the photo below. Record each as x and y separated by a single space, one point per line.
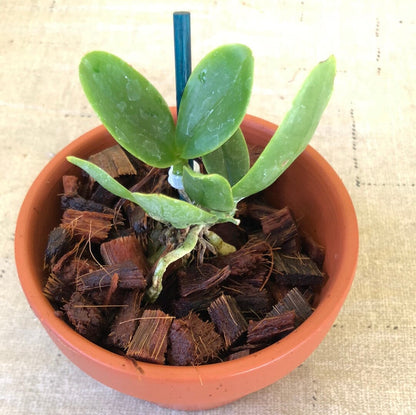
133 92
121 106
203 76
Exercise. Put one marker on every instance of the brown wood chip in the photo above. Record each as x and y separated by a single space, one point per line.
277 224
293 300
193 341
237 355
79 203
124 248
228 319
70 184
253 302
314 250
86 319
59 242
182 306
136 217
62 279
129 277
93 226
244 260
150 341
298 270
125 321
269 329
200 278
114 161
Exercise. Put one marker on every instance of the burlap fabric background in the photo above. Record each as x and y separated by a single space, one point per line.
366 364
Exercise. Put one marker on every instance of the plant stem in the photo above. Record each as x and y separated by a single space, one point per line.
222 247
187 246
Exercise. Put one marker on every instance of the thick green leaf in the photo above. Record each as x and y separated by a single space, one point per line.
214 101
210 191
130 107
231 160
293 134
162 208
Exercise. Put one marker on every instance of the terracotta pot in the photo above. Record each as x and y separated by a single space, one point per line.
313 191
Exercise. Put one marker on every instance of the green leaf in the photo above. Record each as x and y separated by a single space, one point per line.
214 100
231 160
162 208
293 134
210 191
130 107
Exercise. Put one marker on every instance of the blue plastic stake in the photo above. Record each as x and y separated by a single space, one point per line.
183 64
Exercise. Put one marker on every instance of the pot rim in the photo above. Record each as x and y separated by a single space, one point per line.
326 310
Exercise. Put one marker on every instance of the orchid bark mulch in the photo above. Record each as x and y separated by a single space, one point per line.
99 262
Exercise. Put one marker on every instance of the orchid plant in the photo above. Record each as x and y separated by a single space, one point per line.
212 108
